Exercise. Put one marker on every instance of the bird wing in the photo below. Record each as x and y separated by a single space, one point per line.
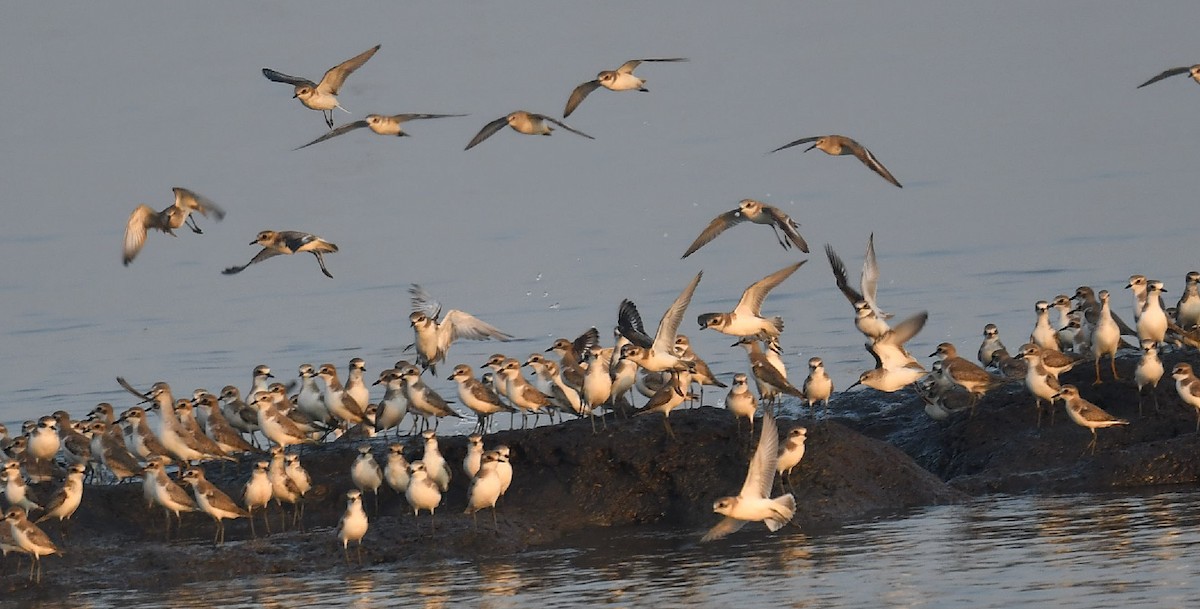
563 125
488 130
761 473
186 199
869 281
714 228
295 81
905 330
725 527
332 81
578 94
265 253
1165 74
135 232
869 160
423 302
839 275
295 240
400 118
752 298
628 66
629 324
586 341
664 339
125 385
788 226
348 127
459 324
803 140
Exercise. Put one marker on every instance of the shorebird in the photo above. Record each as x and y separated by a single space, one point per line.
435 464
1148 372
503 466
521 393
1187 310
353 524
218 427
768 377
1106 337
784 227
322 96
572 352
109 448
433 333
746 318
868 317
1193 71
1086 414
422 492
144 218
366 473
1041 382
895 368
355 386
754 502
965 373
212 501
1044 335
394 404
142 441
379 123
838 145
741 402
165 493
990 345
65 500
422 399
30 539
818 387
669 397
180 443
1188 387
657 354
285 490
620 79
395 471
275 243
474 456
529 123
44 440
342 406
277 427
15 489
790 454
1153 323
257 494
485 488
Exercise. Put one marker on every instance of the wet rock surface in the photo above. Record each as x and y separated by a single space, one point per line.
875 454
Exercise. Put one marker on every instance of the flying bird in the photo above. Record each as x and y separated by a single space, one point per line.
143 219
620 79
758 213
754 503
323 96
433 333
1193 71
287 242
379 123
521 121
838 145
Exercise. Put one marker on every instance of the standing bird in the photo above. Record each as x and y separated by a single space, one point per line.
1148 372
741 402
1153 322
784 227
433 334
839 145
620 79
213 501
353 524
379 123
366 473
669 397
474 457
746 318
66 499
435 464
754 503
1039 379
30 539
1106 337
485 488
257 494
1086 414
144 218
422 492
965 373
769 378
477 396
322 96
275 243
818 387
990 346
528 123
423 401
1187 311
791 453
1188 387
395 471
1193 71
164 492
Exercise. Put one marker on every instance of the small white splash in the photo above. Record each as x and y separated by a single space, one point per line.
529 293
545 294
538 278
554 306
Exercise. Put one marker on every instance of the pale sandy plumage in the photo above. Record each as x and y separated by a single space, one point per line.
143 219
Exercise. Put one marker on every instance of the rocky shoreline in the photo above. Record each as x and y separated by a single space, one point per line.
876 454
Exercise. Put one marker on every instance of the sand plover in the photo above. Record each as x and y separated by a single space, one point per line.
30 539
1193 71
1039 380
965 373
395 470
353 524
66 499
741 402
1187 310
754 503
322 96
1148 372
769 378
790 454
212 501
144 218
528 123
342 406
168 495
869 318
275 243
657 354
818 387
990 345
433 333
1106 337
1188 388
746 318
257 494
1086 414
379 123
366 473
422 492
838 145
423 400
784 227
620 79
485 488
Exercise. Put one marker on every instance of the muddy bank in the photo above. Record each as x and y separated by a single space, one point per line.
566 480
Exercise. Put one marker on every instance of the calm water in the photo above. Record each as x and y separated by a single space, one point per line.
1065 551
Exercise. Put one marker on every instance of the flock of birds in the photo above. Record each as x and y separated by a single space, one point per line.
583 378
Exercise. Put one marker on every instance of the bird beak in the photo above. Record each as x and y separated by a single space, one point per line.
856 384
254 242
806 149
